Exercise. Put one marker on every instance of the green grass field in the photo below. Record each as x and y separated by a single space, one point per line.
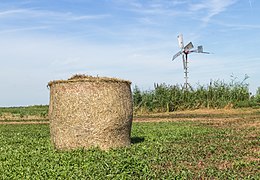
162 150
23 113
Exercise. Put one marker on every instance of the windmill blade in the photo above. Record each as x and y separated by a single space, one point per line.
188 46
176 55
184 60
180 40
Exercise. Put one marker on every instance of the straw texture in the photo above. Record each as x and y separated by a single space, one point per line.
90 111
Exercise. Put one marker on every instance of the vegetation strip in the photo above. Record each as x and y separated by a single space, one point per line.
217 94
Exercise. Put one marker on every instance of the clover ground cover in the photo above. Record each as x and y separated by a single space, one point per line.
159 150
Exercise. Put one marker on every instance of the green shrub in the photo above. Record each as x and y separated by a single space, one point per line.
257 96
218 94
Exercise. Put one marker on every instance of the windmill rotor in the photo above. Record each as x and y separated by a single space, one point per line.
185 50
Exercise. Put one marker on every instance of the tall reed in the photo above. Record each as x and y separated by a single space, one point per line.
217 94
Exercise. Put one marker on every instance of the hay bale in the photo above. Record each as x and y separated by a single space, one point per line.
87 111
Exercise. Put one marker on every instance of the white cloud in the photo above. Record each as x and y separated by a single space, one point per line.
12 12
239 26
89 17
153 8
212 8
50 15
39 21
13 30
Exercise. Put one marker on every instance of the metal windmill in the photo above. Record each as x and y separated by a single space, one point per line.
185 50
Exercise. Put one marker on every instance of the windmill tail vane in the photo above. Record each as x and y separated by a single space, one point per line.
184 51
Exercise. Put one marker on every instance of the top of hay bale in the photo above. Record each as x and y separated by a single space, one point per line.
86 78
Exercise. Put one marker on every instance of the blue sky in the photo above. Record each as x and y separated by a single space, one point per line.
43 40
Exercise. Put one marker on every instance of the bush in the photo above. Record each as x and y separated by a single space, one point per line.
218 94
257 96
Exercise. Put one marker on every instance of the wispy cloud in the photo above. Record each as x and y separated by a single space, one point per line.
237 26
212 8
47 14
88 17
250 3
12 12
166 8
32 13
16 20
11 30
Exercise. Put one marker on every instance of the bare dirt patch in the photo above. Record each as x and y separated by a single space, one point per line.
224 165
239 118
25 122
242 118
18 117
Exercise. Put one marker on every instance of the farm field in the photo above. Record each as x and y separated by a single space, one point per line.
215 144
18 114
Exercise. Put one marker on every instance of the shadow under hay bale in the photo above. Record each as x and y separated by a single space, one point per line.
87 111
136 140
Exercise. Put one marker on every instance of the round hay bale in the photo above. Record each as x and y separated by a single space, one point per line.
87 111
